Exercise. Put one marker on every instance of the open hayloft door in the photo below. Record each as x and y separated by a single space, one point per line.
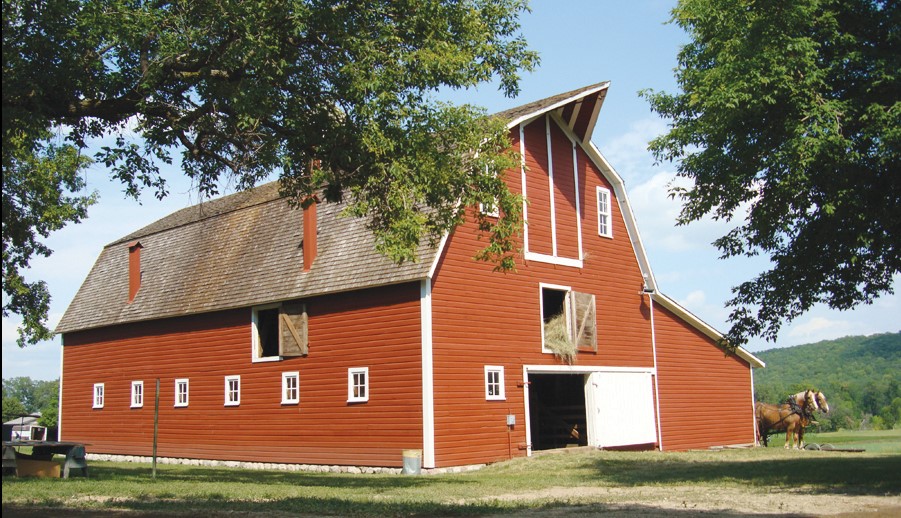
620 408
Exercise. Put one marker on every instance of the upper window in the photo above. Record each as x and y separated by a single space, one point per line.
290 388
181 392
358 385
137 394
569 321
232 390
98 395
605 227
494 383
279 330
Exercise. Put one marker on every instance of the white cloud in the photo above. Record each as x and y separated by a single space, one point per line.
695 298
816 326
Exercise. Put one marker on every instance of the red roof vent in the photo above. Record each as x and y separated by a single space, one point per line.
134 269
310 244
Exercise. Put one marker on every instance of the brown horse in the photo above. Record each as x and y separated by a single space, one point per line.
790 417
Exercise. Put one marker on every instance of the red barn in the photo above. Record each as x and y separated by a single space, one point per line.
280 335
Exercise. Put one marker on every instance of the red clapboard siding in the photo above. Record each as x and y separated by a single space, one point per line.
538 192
566 218
705 395
376 328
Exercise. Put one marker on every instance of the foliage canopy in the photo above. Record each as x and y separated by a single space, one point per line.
791 111
334 96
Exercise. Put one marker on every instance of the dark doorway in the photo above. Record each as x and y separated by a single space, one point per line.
557 411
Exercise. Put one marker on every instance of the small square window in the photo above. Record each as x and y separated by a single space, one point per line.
494 383
137 394
181 392
358 385
605 228
232 390
99 394
290 388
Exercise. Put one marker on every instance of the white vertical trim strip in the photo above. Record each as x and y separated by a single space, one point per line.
578 197
656 376
59 409
527 417
550 182
754 407
525 205
428 378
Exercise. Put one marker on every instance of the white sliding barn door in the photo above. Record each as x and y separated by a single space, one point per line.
620 408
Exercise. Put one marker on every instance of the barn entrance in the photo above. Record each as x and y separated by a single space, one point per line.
557 411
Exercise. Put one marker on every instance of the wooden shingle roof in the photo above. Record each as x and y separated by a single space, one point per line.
237 251
245 249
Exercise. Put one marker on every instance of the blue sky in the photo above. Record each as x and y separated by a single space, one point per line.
580 43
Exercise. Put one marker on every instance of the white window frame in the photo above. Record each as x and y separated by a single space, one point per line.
137 394
605 219
179 382
232 390
287 389
500 393
255 336
99 395
352 395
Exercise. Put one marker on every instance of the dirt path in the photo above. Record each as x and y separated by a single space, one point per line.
695 501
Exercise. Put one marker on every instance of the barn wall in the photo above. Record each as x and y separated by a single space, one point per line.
705 395
483 317
376 328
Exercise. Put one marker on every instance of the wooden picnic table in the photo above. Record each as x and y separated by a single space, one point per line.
43 451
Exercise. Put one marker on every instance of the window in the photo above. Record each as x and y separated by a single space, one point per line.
181 392
98 395
491 211
358 385
290 388
232 390
279 330
604 223
569 321
494 383
137 394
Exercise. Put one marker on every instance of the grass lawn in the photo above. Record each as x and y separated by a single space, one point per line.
543 484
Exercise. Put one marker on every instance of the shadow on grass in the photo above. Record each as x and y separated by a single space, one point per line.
877 476
336 507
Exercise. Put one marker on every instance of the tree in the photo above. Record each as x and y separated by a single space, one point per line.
12 408
335 97
37 199
789 121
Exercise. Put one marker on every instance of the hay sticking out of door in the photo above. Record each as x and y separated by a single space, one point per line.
557 338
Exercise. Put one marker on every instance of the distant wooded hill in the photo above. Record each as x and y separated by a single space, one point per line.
860 376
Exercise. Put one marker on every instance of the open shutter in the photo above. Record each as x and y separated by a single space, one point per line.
293 330
585 327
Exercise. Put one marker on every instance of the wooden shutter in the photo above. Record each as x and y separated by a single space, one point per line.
585 328
293 330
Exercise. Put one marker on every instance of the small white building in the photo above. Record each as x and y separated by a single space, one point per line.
26 428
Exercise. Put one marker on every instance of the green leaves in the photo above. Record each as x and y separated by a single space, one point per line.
245 88
789 111
38 187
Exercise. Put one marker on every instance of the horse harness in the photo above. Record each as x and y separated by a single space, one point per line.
795 409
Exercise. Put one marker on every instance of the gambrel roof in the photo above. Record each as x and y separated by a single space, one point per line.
237 251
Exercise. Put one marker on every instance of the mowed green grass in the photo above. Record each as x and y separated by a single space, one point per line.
505 487
873 441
